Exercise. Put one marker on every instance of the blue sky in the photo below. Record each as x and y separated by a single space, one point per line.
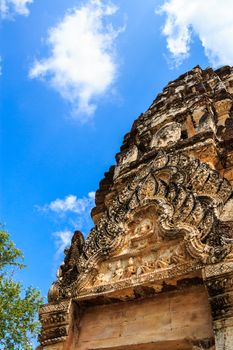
74 76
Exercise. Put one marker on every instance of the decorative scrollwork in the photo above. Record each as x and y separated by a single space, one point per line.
185 194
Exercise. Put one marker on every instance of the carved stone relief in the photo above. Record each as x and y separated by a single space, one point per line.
160 216
168 135
55 319
184 198
126 158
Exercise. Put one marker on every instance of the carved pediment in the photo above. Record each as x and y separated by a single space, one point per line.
144 250
164 220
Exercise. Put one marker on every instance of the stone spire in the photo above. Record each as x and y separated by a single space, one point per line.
198 106
164 213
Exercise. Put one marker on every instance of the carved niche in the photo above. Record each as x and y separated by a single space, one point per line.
168 135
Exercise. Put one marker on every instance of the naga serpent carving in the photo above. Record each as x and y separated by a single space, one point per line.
188 197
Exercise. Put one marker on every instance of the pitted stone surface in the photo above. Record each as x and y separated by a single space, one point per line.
163 226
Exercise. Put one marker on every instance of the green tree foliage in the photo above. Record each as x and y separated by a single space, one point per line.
18 305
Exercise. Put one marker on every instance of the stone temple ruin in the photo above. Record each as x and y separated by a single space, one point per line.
156 271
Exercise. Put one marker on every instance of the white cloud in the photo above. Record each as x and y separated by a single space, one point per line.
70 204
210 20
12 7
73 213
82 63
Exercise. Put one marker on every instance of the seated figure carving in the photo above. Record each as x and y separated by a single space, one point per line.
130 269
119 272
163 260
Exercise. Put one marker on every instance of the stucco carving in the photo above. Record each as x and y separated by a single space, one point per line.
55 320
163 214
184 199
168 135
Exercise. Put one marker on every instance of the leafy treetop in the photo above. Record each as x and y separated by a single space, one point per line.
18 305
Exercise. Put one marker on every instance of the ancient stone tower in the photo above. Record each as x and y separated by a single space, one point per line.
156 271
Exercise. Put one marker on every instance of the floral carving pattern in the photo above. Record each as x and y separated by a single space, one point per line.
188 196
